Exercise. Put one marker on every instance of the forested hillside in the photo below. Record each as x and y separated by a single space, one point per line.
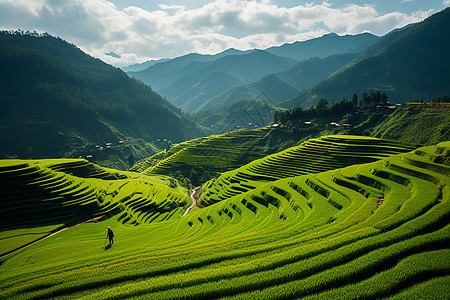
411 66
56 100
191 91
284 85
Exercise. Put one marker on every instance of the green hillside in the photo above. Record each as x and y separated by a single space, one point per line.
46 195
425 124
48 85
166 73
254 113
204 157
411 66
195 95
274 87
377 230
421 123
311 71
215 77
284 85
313 156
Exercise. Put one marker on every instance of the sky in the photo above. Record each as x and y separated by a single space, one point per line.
140 30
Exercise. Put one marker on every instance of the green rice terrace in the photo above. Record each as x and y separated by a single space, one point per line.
217 153
313 156
339 217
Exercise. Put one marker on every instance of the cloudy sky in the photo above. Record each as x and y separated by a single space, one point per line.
140 30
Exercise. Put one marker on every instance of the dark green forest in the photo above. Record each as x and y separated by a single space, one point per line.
51 89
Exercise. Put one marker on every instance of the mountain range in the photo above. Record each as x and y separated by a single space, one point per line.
186 80
285 85
407 63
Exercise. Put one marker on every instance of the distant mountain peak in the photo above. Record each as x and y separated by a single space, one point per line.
113 54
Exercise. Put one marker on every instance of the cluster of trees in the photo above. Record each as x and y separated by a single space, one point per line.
324 108
245 113
191 177
371 99
440 99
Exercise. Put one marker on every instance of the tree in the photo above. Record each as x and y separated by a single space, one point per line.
322 105
206 176
384 98
355 99
131 159
28 151
376 97
365 101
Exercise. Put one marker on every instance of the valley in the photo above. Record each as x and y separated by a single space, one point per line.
311 170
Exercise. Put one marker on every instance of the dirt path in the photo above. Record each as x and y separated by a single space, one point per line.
98 219
34 242
194 196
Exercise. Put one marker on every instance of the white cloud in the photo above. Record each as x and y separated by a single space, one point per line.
168 7
446 2
98 26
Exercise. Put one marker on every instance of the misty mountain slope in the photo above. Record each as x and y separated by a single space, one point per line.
163 74
214 83
272 86
384 41
142 66
325 45
414 65
54 97
309 72
284 85
239 69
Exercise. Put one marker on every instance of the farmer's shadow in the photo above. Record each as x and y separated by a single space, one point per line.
107 247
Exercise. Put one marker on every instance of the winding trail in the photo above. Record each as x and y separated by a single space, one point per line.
35 241
194 196
58 230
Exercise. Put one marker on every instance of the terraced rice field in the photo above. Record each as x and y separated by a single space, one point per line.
366 231
313 156
149 162
217 153
48 195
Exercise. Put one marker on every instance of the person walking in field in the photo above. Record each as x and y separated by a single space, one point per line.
110 235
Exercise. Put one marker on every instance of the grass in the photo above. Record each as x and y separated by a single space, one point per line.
321 235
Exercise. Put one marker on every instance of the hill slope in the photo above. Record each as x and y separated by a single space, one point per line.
411 66
185 79
47 195
166 73
273 87
421 124
55 98
284 85
210 155
197 87
374 230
